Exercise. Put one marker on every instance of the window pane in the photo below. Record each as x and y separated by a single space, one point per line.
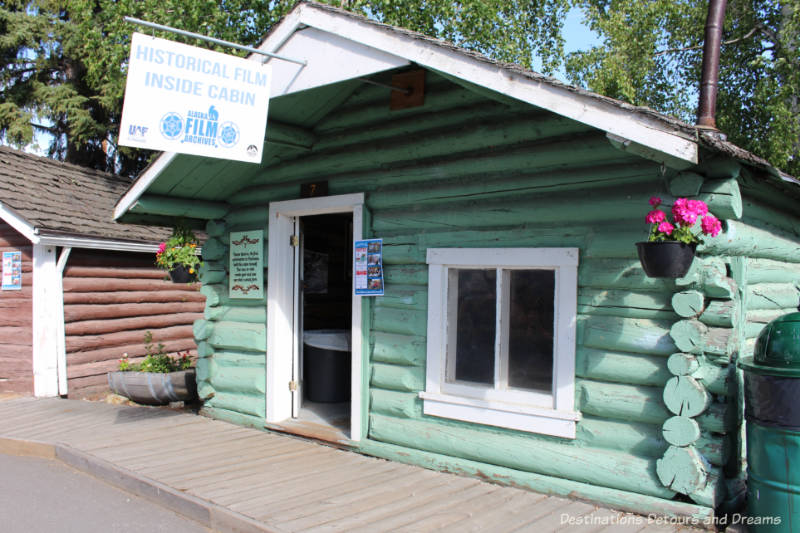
530 343
475 332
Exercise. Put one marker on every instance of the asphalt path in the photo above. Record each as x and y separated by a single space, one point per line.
47 496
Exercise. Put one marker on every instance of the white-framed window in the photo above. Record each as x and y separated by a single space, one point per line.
501 337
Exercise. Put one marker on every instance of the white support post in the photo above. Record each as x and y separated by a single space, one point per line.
45 321
61 333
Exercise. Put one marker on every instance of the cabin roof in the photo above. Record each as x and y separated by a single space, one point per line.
342 49
65 203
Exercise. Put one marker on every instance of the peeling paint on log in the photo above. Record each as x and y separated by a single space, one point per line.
682 364
621 402
688 303
769 271
692 336
626 334
620 367
773 295
600 467
682 469
681 431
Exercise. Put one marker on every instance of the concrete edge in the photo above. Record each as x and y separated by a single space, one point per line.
208 514
27 448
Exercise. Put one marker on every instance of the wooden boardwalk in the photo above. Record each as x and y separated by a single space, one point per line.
288 484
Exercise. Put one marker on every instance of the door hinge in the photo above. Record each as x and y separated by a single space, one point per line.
292 385
294 240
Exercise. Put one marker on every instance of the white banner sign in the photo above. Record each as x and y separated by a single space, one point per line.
180 98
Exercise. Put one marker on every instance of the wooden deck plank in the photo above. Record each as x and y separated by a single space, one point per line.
518 504
550 522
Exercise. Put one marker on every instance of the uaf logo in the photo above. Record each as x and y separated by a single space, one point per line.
137 133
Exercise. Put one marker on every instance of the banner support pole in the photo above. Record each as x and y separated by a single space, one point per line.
214 40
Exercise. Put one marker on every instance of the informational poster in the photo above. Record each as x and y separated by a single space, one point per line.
368 266
180 98
247 264
12 271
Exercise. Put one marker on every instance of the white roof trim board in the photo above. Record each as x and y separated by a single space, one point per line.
364 47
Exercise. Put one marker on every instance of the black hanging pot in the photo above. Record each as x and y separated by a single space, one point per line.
181 274
669 259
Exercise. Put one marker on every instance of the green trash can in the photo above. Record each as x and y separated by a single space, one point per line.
772 411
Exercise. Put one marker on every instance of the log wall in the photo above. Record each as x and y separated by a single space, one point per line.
111 299
653 356
16 319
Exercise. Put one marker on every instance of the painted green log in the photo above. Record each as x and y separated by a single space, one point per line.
278 132
249 217
723 197
619 274
205 368
617 499
459 189
688 304
398 378
746 239
621 402
720 313
214 249
264 194
372 107
394 403
240 403
682 364
205 391
770 212
718 418
625 303
405 297
769 271
406 274
626 334
216 228
753 329
527 453
402 321
426 144
524 209
239 419
217 295
681 431
253 315
241 359
236 335
245 380
211 272
618 367
154 204
682 469
685 396
485 112
402 253
202 329
714 378
398 349
692 336
720 166
714 492
773 295
618 240
639 439
759 318
686 184
204 350
710 274
713 448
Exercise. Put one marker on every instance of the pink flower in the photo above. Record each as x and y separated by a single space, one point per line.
666 228
711 225
698 206
655 201
683 213
655 216
161 248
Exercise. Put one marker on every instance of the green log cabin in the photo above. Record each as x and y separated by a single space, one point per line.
561 367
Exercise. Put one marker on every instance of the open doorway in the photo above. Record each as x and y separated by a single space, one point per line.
325 321
309 301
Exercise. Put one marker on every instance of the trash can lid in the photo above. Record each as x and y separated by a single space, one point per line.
777 350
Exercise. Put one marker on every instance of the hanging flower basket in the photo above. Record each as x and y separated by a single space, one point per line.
182 274
668 259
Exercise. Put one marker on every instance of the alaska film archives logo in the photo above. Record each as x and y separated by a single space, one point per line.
201 127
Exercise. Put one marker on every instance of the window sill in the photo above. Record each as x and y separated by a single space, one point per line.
506 415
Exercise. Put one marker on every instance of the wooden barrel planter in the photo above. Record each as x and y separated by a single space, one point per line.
152 388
